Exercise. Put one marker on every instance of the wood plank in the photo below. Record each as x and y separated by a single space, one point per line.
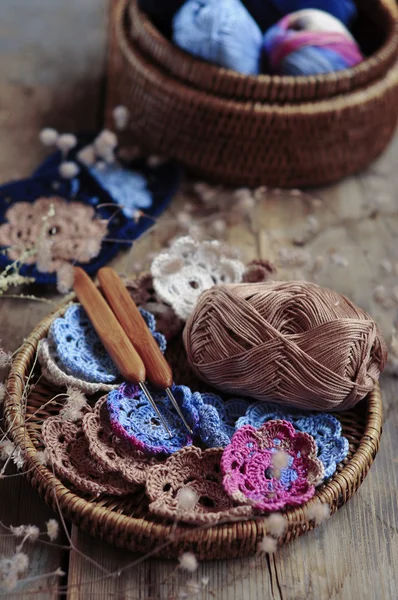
51 74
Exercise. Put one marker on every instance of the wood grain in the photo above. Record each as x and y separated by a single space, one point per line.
158 372
354 555
108 328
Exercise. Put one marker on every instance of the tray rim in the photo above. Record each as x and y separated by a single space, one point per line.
221 541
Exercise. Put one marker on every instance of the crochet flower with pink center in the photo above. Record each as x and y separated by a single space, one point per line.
69 230
250 476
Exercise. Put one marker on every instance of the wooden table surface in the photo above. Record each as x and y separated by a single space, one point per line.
52 72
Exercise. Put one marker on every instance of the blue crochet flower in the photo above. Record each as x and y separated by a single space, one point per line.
133 418
128 188
80 350
217 418
324 428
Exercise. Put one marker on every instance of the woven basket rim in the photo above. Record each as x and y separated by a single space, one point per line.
156 76
194 71
137 533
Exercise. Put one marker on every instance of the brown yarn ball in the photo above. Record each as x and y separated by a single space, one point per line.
293 342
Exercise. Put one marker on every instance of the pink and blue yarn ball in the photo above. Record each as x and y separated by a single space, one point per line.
309 42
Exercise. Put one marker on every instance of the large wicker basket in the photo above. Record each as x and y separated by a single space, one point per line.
251 131
125 521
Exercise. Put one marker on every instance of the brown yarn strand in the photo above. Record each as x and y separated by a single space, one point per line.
293 342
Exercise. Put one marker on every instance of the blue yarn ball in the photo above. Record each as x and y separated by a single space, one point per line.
220 31
268 12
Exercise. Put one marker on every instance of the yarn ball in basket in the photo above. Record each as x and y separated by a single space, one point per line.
219 31
267 12
294 342
309 42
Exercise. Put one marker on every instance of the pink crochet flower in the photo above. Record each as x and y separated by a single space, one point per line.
250 476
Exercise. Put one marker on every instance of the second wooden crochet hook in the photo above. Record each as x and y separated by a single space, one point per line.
158 371
112 335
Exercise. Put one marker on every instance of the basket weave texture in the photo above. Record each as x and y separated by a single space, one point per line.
248 131
125 521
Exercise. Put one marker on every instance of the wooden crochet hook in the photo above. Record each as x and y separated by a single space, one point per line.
112 335
158 370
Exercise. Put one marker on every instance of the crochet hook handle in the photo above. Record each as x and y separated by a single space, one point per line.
158 371
108 328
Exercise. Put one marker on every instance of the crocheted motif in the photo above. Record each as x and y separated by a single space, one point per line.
200 471
52 370
80 351
128 188
332 448
112 453
47 181
72 233
249 474
142 291
217 418
133 418
189 268
70 457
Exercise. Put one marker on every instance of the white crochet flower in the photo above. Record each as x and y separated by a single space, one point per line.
190 267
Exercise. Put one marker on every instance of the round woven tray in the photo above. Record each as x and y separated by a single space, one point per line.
125 522
381 16
250 142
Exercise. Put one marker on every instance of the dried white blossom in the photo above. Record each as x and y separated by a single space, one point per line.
276 524
380 294
65 278
105 144
76 398
28 532
318 512
66 141
188 562
68 169
339 260
43 456
10 568
386 266
120 116
205 580
219 226
48 136
280 459
312 224
87 156
156 161
187 498
52 529
44 255
5 359
3 390
268 545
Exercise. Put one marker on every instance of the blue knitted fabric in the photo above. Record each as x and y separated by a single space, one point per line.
220 31
133 418
128 188
162 182
324 428
217 418
80 350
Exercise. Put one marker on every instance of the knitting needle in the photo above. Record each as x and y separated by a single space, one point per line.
158 370
111 333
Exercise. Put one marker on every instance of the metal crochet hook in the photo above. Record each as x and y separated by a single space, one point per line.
158 370
112 335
